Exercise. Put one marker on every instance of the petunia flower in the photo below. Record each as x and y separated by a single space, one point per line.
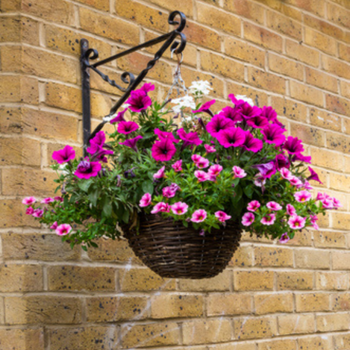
232 137
54 226
295 181
273 206
160 173
236 100
29 200
199 215
179 208
269 113
301 158
231 113
313 176
293 145
177 166
138 101
239 172
327 203
201 87
87 169
284 238
215 169
147 87
127 127
145 200
296 222
258 122
63 229
168 192
291 210
202 163
174 187
163 150
209 148
302 196
253 205
269 219
201 175
47 200
205 107
99 153
161 207
218 123
248 219
38 213
260 181
99 138
58 199
281 161
336 203
319 196
132 142
64 155
222 216
247 111
29 211
307 185
273 134
286 174
119 117
190 139
165 135
267 169
251 143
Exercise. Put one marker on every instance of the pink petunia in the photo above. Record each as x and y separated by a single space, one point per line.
284 238
147 87
145 200
160 173
209 149
161 207
319 196
63 229
163 150
177 166
291 210
307 185
327 203
231 137
313 219
215 170
38 213
296 222
314 176
251 143
201 175
302 196
222 216
248 219
269 219
47 200
179 208
29 211
58 199
273 206
166 135
293 145
119 117
253 206
202 163
87 169
239 172
64 155
286 174
54 226
168 192
138 101
205 107
127 127
336 203
175 187
132 142
273 134
295 181
219 123
196 158
199 215
190 139
260 182
29 200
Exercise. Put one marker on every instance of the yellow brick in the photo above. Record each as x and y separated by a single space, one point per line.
202 36
319 343
104 25
143 280
99 4
326 239
154 334
344 51
273 303
331 281
243 256
285 344
286 10
306 94
253 280
341 221
245 52
332 322
301 239
325 120
259 98
19 29
12 6
327 159
336 67
21 339
213 17
255 328
113 309
222 282
302 53
338 15
36 246
337 104
296 324
263 37
272 256
289 109
11 58
230 346
2 313
339 143
266 81
42 309
229 304
300 280
87 337
309 135
342 341
21 278
186 6
63 96
323 26
320 41
246 9
340 260
13 215
345 89
308 302
340 302
321 80
312 259
207 331
314 6
284 25
284 66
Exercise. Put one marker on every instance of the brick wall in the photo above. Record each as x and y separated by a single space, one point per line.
292 54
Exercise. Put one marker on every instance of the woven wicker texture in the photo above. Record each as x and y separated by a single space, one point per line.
174 251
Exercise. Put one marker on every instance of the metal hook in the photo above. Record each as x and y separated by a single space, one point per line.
179 61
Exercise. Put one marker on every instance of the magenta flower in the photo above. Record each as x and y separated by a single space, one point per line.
99 138
87 169
205 107
132 142
253 206
301 158
196 158
38 213
281 161
222 216
168 192
30 211
296 222
286 174
319 196
327 203
147 87
165 135
201 175
47 200
163 150
145 200
190 138
293 145
267 169
160 173
215 170
269 113
314 176
248 219
177 166
179 208
269 219
235 101
64 155
239 172
58 199
295 181
127 127
218 123
54 226
174 187
202 163
231 113
98 152
251 143
302 196
232 137
63 229
119 118
273 134
138 101
161 207
247 111
199 215
273 206
291 210
209 149
29 200
258 122
336 203
284 238
260 182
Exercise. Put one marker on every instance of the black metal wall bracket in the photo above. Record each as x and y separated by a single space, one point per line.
128 78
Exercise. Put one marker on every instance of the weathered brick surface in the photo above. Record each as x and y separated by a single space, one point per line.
255 328
21 339
253 280
273 303
229 304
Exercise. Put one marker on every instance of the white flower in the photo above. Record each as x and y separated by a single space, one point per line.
245 98
62 168
201 86
182 102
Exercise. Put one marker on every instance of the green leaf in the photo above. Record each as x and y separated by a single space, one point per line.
248 191
84 247
147 186
85 184
93 196
106 207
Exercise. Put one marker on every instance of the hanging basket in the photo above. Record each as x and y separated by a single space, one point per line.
174 251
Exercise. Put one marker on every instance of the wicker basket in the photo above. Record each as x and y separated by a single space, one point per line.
174 251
